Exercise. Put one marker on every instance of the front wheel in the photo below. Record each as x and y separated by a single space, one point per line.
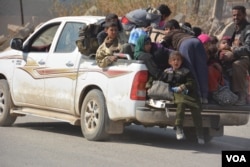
93 116
5 105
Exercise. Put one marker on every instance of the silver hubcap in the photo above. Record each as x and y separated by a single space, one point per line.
91 115
2 102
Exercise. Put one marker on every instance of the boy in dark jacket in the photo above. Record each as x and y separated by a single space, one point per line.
193 52
184 87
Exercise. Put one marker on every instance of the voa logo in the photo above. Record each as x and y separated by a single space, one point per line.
236 158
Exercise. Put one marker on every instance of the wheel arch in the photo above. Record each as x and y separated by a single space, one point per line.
2 76
83 94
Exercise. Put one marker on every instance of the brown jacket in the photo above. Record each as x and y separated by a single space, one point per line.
174 39
104 52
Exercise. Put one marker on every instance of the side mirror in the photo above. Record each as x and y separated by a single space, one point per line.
16 43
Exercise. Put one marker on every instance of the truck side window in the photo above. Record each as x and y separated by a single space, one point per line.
68 37
43 41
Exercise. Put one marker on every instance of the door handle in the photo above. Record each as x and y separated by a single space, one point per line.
41 62
69 64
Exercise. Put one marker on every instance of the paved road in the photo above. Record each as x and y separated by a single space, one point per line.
37 142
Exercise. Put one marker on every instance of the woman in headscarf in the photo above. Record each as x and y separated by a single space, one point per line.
154 55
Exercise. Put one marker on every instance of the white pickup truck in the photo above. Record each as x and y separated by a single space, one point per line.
47 76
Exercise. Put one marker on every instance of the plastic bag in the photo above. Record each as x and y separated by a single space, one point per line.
160 91
224 96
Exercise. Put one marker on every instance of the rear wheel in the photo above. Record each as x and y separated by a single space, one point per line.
93 116
190 134
207 135
5 105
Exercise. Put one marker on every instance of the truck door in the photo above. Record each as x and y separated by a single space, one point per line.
28 79
61 70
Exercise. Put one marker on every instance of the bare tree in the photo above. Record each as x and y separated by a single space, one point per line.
196 6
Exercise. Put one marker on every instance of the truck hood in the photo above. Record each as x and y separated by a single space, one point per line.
10 52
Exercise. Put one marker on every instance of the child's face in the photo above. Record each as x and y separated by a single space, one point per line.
112 32
147 46
224 45
167 30
175 62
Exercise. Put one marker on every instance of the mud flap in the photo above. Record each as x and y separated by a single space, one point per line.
216 132
114 127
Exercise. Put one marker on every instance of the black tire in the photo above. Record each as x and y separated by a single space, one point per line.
5 105
93 116
190 134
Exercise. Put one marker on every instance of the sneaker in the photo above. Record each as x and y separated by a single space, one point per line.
242 99
179 133
241 102
201 140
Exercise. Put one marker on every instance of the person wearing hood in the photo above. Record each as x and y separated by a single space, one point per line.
154 55
143 26
146 18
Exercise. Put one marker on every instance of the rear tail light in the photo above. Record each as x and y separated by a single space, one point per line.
138 90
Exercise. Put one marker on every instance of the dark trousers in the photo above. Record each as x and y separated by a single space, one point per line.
153 70
196 115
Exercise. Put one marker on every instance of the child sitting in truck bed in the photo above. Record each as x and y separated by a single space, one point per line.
184 87
153 54
111 45
225 57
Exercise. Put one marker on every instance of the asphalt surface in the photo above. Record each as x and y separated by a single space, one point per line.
38 142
